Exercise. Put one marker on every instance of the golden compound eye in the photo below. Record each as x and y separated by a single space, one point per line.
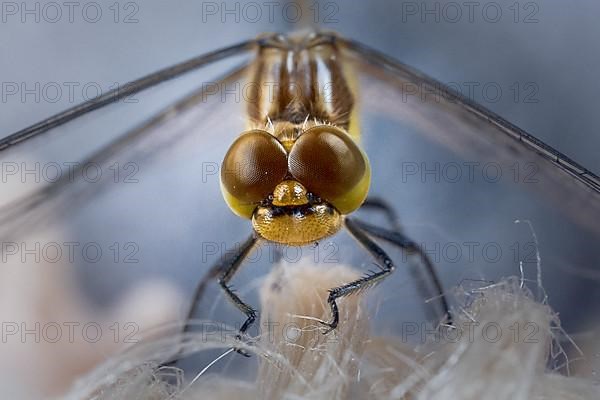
254 164
326 160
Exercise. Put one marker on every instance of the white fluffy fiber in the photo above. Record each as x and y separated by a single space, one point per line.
522 363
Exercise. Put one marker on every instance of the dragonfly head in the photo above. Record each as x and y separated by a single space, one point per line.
295 194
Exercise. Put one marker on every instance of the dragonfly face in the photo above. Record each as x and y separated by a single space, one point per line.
297 177
295 196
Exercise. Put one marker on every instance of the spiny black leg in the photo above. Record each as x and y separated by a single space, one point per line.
384 263
224 270
234 298
380 204
400 240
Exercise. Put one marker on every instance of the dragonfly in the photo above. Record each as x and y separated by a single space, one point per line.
298 172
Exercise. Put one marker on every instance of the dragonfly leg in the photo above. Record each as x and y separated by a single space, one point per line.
396 238
229 271
379 204
385 264
224 270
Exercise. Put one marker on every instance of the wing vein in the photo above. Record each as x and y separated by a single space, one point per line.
128 89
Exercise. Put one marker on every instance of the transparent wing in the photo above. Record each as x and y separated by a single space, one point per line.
124 92
144 141
38 160
461 177
146 203
464 126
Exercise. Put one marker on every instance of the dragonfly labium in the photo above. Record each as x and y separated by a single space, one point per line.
299 171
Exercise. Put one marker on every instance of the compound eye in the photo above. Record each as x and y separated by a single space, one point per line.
328 163
253 166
